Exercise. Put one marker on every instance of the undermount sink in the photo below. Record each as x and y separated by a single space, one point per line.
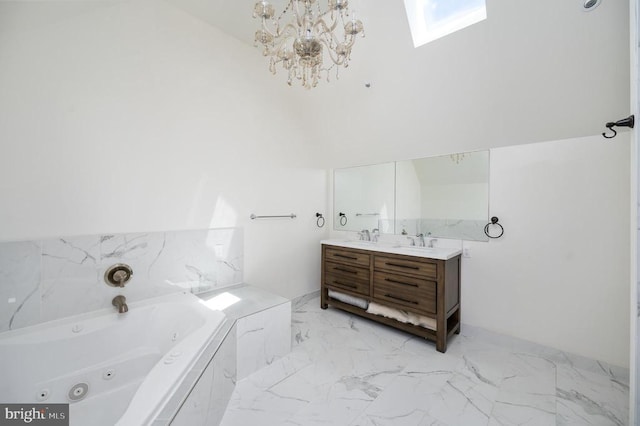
361 243
418 249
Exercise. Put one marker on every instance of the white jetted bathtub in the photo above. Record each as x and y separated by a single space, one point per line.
111 368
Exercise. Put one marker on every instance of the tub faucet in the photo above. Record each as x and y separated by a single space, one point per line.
120 302
118 275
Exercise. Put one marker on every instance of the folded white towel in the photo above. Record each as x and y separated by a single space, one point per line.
422 321
351 300
396 314
402 316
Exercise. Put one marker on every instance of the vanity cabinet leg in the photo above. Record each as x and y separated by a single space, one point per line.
458 325
324 294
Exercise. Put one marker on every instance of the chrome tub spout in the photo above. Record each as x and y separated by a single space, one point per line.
120 302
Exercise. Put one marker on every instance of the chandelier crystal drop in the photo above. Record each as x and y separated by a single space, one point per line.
303 36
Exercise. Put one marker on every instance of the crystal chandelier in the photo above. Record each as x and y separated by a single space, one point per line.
299 37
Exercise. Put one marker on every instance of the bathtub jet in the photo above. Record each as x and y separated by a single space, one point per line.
111 369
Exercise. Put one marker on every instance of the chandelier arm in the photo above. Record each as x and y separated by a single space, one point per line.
334 22
268 30
289 26
349 41
284 11
324 31
333 19
280 31
340 60
335 58
296 13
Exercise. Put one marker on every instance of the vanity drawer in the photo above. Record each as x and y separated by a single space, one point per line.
406 266
417 294
347 256
347 282
347 271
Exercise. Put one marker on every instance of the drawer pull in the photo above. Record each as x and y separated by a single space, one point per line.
349 271
400 282
400 299
345 256
402 266
345 284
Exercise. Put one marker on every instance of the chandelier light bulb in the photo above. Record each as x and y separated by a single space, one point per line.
305 38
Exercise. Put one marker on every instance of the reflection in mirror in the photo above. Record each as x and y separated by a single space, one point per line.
364 198
446 196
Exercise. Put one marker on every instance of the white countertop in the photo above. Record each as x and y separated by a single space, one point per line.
441 253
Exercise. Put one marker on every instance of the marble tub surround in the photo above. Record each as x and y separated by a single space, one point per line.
442 253
211 384
55 278
346 370
263 324
20 290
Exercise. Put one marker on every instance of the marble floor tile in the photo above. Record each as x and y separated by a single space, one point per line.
347 370
586 398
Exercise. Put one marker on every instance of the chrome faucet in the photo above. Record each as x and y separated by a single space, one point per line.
412 241
365 235
375 233
420 238
120 302
432 242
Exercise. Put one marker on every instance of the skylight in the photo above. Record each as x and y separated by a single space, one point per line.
432 19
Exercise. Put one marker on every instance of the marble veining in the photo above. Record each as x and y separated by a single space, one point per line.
346 370
304 299
20 269
263 337
21 305
55 278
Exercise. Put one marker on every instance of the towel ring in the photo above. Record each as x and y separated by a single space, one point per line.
319 220
494 221
343 218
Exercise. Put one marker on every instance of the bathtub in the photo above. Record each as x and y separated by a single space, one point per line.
113 369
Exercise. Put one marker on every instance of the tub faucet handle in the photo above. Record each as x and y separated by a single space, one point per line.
118 275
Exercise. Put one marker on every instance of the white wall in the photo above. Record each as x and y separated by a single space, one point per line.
560 274
134 116
533 71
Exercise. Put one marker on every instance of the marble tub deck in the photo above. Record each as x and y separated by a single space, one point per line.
346 370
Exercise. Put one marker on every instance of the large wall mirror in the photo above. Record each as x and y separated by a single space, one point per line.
445 196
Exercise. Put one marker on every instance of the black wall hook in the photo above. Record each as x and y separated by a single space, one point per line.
625 122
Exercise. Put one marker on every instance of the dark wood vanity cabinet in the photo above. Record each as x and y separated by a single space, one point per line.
424 286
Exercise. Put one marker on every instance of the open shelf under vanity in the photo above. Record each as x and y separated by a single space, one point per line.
425 290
